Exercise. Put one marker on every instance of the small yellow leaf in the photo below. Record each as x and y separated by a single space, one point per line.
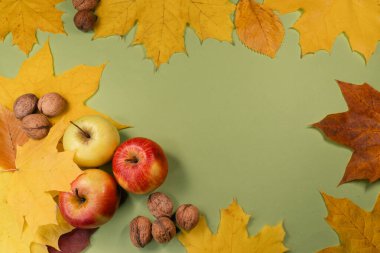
37 76
258 27
22 18
358 230
232 235
323 20
11 136
162 23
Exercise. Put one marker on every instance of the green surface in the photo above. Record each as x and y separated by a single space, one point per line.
233 123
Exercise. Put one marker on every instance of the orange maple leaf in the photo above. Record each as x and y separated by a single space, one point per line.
11 136
358 230
358 129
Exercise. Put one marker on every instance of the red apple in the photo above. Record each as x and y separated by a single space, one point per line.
93 200
139 165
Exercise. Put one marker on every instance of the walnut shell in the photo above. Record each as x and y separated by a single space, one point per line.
52 104
163 230
187 216
36 126
25 105
85 20
85 4
140 231
160 205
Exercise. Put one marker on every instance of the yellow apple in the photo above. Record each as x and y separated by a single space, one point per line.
93 139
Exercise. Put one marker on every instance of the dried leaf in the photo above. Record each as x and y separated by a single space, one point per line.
162 23
41 170
11 136
323 20
37 76
358 129
22 18
232 235
258 27
358 230
74 242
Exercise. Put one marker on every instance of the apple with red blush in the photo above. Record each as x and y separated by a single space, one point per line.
93 200
139 165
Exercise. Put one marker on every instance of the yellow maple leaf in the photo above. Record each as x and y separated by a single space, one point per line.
232 235
258 27
323 20
358 230
37 76
22 18
11 136
16 236
162 23
41 172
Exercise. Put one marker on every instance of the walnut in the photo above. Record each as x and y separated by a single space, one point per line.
25 105
140 231
36 126
52 104
187 216
163 230
85 20
160 205
85 4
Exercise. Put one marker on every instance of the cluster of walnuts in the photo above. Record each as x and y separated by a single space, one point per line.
33 112
163 228
85 18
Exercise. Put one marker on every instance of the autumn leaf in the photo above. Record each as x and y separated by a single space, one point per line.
16 236
41 171
162 23
37 76
23 18
258 27
232 235
358 230
323 20
74 242
358 129
11 136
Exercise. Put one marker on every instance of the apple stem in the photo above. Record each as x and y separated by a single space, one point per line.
132 160
84 132
82 200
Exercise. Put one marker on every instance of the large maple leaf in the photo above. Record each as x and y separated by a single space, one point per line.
41 171
358 129
11 136
323 20
232 235
22 18
162 23
29 218
37 76
358 230
258 27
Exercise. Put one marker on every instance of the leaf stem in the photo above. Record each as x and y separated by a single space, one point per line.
8 170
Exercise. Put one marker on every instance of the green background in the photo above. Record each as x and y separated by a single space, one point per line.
234 124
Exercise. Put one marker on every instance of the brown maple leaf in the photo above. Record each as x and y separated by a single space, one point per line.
11 136
358 129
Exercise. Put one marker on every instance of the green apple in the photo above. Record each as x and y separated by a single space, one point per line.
93 139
